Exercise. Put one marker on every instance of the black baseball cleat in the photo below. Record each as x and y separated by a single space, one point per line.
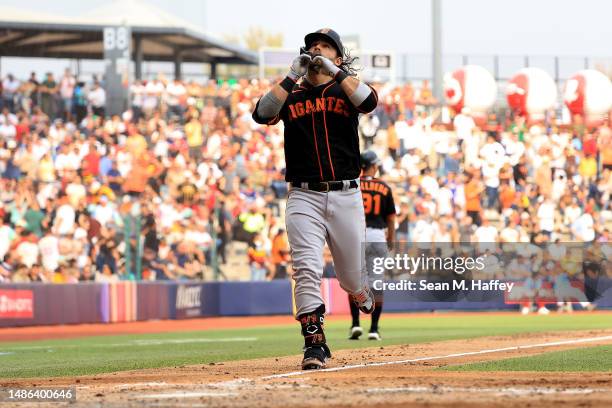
364 300
355 333
315 357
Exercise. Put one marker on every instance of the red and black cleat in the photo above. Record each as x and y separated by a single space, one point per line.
364 300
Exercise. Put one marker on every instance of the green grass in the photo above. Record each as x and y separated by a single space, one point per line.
92 355
583 359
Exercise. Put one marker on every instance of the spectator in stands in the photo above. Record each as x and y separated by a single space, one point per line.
48 94
10 86
280 255
97 100
66 92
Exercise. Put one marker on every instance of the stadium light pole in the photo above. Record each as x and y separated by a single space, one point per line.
436 42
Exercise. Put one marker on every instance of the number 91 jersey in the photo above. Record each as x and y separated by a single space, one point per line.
377 202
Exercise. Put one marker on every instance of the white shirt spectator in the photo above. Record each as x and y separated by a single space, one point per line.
583 228
493 153
62 162
470 146
486 236
509 234
97 97
423 232
201 238
441 235
486 233
9 119
546 216
76 192
28 253
514 150
7 235
442 141
410 163
403 133
559 184
161 148
40 148
206 170
104 212
153 91
176 91
64 220
67 85
49 251
57 134
124 162
213 145
168 215
430 185
10 86
490 174
137 91
7 126
445 201
571 214
464 125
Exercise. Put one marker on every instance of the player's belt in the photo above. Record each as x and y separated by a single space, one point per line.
325 186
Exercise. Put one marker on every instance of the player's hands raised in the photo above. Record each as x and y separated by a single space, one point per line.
299 66
325 66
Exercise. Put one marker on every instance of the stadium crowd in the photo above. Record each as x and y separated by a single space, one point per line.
188 167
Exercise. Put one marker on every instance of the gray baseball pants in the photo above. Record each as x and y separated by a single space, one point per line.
313 218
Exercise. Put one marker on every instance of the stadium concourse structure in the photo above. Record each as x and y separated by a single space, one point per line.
155 36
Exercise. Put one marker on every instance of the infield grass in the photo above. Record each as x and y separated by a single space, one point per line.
103 354
598 358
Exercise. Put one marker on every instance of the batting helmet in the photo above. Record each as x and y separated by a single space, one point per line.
369 158
326 34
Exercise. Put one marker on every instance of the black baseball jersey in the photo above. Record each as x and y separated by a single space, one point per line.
321 138
378 202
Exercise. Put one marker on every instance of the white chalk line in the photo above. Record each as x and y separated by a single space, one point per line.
141 384
416 360
188 395
512 391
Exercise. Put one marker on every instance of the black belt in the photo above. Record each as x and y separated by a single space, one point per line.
325 186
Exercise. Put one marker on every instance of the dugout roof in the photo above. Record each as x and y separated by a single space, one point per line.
156 35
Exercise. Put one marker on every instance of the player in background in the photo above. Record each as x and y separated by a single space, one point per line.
379 210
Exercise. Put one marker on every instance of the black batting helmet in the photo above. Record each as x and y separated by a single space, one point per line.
369 158
326 34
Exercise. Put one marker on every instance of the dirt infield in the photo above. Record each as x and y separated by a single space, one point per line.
404 376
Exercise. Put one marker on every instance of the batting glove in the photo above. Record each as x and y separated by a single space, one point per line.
299 67
325 66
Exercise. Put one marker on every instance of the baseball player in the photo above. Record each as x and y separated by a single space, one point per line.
379 209
320 116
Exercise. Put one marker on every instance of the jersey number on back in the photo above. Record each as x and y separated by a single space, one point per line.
371 203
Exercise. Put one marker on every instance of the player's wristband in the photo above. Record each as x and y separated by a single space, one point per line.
340 76
287 84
